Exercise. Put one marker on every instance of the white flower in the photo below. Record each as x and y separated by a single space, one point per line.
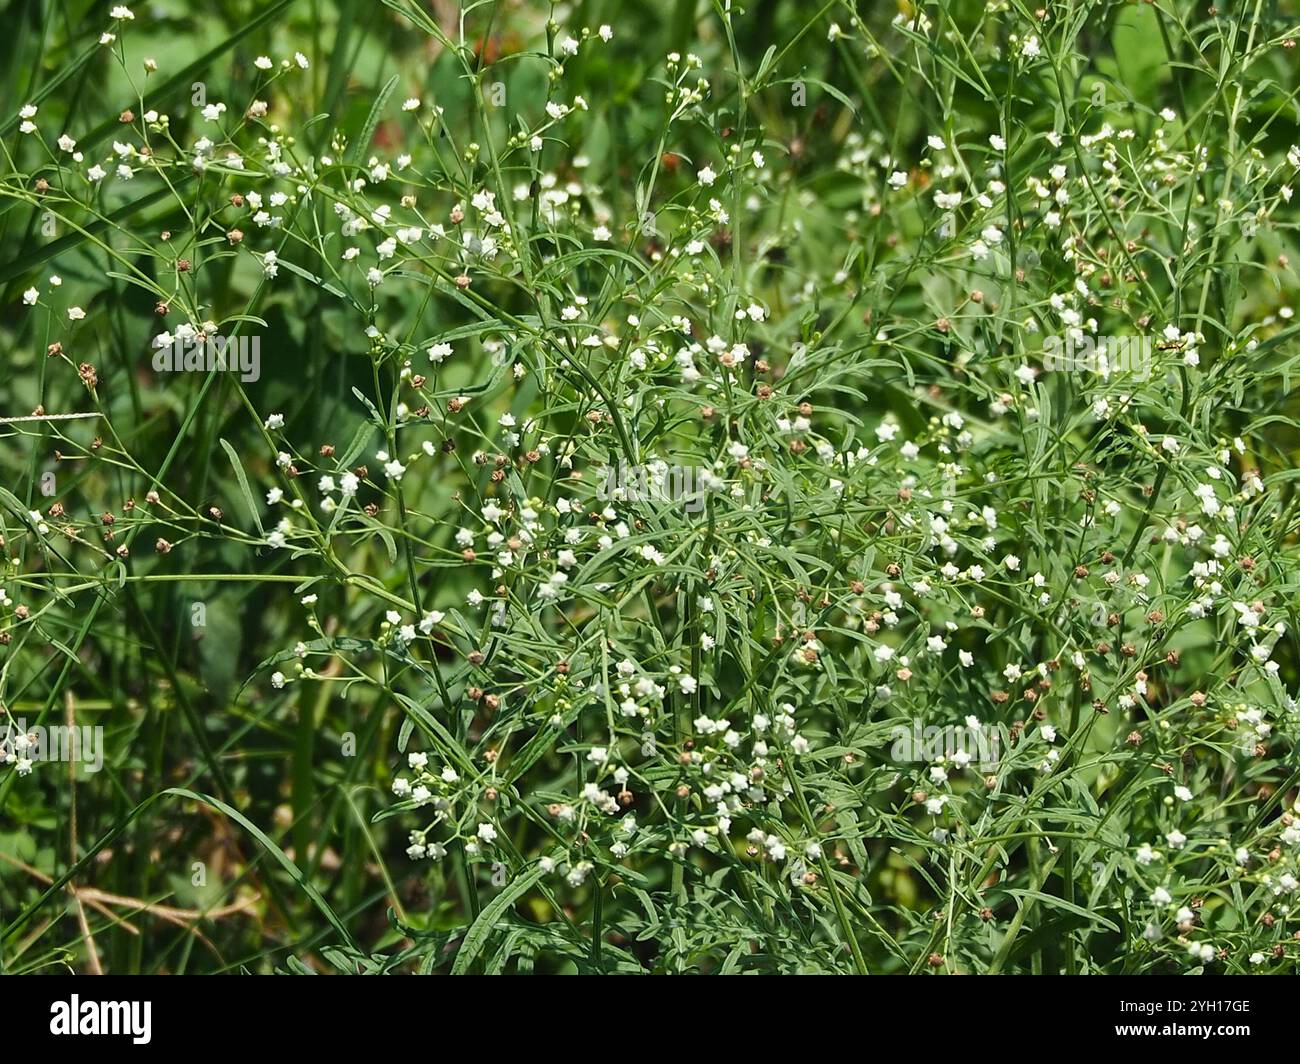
706 176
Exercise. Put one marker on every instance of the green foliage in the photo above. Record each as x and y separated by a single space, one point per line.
690 489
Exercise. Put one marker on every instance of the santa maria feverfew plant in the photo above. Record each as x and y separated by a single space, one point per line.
651 488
